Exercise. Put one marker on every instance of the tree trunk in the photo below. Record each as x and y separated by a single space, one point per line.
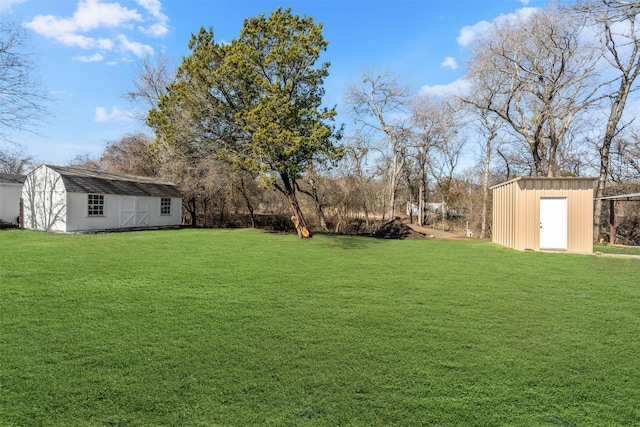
247 201
396 169
553 170
537 159
421 205
392 192
422 191
191 208
485 189
289 190
615 115
598 233
316 203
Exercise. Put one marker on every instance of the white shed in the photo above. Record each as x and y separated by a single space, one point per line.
10 193
69 199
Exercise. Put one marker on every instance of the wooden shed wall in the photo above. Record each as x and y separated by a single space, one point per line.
516 211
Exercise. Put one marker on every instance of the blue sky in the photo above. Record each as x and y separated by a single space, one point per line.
86 51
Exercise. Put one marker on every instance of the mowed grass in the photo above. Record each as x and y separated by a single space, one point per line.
243 328
615 249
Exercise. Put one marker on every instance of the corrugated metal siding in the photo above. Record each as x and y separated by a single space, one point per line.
504 215
516 211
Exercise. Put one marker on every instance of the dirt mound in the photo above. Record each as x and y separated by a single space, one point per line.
396 229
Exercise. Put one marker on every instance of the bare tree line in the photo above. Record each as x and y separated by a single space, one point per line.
551 93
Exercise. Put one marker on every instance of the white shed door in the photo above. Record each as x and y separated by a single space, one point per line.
142 212
553 223
128 212
134 212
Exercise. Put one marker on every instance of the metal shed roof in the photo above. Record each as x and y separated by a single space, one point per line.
12 178
78 180
544 178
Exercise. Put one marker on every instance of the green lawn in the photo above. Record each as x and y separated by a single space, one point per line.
243 328
619 250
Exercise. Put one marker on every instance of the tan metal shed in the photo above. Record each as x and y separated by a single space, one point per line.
539 213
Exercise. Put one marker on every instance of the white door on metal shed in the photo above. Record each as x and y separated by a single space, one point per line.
553 223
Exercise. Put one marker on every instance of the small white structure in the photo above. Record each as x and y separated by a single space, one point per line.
69 199
10 193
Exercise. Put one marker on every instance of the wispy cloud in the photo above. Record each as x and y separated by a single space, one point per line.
96 57
154 8
138 49
116 115
450 62
85 29
6 5
471 33
525 2
459 87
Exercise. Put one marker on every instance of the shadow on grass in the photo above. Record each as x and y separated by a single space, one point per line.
347 241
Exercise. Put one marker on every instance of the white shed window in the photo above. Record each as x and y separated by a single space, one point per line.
165 206
95 204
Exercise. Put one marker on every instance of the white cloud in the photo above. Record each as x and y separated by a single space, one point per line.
458 87
116 115
138 49
5 5
96 57
525 2
85 28
155 30
94 14
471 33
90 15
450 62
154 8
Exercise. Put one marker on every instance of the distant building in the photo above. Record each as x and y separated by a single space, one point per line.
10 193
69 199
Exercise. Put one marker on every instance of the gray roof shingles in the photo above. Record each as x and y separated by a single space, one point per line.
78 180
12 178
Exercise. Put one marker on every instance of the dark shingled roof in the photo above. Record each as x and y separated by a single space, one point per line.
12 178
78 180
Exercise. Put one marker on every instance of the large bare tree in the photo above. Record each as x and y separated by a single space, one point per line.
488 128
433 125
22 101
541 77
616 23
14 161
130 155
487 125
152 75
380 104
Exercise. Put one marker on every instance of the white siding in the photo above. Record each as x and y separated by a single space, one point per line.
117 213
44 201
10 194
